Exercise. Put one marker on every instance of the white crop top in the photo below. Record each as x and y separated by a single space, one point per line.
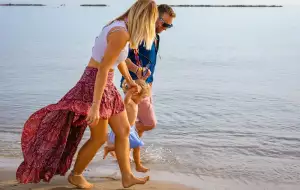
101 43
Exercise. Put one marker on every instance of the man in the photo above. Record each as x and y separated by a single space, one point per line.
141 65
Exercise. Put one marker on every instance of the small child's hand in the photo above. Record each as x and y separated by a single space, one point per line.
133 87
131 91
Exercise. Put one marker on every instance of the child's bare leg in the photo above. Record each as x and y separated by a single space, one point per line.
137 160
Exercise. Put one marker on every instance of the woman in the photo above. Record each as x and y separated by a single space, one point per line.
51 135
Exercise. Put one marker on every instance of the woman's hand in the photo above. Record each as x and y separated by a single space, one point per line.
93 115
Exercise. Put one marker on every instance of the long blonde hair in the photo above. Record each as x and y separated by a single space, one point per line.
142 16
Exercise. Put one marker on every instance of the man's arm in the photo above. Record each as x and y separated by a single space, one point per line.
134 68
131 66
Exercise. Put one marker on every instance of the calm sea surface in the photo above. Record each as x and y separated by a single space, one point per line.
226 90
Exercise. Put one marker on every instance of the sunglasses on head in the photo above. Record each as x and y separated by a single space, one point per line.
166 25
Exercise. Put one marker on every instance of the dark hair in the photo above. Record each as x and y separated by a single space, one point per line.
164 8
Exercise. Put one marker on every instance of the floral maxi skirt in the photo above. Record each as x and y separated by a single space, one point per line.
51 135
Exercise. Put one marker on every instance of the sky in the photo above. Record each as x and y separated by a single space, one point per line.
128 2
283 2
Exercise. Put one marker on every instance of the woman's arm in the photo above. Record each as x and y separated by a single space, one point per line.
124 71
116 41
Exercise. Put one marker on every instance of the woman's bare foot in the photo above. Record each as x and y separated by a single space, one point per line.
128 181
79 181
141 168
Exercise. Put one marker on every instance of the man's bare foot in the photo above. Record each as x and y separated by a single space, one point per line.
128 181
79 181
141 168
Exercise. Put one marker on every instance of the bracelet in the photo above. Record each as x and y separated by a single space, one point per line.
138 69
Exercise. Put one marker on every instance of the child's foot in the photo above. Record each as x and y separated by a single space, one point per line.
141 168
128 181
131 159
109 150
113 154
79 181
106 151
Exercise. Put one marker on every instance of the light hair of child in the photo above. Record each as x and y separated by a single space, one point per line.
145 88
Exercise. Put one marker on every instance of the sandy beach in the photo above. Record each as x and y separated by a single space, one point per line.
8 182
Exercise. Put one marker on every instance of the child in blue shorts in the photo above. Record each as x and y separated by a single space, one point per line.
131 102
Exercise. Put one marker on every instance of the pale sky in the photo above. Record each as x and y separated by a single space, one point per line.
128 2
282 2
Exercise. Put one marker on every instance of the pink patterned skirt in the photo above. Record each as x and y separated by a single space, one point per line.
51 135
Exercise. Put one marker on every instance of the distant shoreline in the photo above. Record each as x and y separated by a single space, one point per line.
104 5
93 5
22 4
226 5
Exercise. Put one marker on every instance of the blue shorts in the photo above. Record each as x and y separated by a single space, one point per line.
134 139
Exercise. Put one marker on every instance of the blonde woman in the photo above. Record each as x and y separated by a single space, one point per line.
51 135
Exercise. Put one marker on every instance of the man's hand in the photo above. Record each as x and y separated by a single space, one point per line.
139 73
147 73
143 73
